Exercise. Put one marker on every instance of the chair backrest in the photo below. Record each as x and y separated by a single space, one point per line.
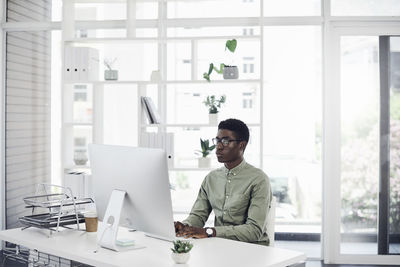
271 222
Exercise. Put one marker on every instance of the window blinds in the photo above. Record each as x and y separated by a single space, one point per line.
27 156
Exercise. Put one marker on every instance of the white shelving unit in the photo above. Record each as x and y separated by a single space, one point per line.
161 42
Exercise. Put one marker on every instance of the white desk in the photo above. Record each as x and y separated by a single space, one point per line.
210 252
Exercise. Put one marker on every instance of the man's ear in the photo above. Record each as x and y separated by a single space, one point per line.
242 145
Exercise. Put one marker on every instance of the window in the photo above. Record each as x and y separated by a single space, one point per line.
248 65
247 101
212 9
365 8
100 11
277 8
80 142
292 117
245 31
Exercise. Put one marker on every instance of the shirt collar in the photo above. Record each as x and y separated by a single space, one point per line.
235 170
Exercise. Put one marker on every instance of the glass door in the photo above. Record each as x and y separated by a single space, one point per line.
365 120
360 140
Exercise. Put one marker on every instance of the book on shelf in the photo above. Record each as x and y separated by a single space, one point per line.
150 110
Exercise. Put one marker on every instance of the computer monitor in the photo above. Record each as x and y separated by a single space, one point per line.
143 174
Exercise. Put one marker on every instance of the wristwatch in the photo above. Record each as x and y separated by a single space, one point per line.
209 232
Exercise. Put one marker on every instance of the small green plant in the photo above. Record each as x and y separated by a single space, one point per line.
231 46
181 246
214 104
205 148
109 63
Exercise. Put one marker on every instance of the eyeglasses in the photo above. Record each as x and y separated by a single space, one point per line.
223 141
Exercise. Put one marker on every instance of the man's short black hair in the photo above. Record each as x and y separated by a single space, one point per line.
238 127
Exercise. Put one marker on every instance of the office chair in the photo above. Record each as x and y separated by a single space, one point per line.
271 222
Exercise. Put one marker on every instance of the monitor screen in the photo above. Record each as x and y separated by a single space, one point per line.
143 174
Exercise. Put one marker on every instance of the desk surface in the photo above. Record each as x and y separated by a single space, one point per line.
79 246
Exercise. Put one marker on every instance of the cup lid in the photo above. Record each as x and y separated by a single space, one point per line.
90 214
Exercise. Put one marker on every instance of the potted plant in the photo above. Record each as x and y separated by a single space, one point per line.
213 105
205 162
80 157
110 73
180 251
228 71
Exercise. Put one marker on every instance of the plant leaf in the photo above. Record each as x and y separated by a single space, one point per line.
206 76
210 69
221 68
182 247
231 45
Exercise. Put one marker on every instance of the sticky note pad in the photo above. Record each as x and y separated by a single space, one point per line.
124 242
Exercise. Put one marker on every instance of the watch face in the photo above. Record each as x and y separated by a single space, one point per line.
209 231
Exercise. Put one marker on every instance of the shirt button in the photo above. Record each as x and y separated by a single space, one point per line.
227 196
224 212
229 181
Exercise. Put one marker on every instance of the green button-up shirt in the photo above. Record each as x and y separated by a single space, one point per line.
240 198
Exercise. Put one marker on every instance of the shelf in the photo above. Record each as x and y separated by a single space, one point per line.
186 125
192 169
78 123
113 40
167 82
214 81
86 168
158 40
77 168
109 82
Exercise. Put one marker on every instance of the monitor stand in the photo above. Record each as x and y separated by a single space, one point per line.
108 229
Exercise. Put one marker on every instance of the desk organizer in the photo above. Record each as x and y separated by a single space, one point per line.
61 206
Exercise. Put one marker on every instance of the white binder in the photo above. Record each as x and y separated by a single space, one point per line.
76 55
89 64
81 64
68 63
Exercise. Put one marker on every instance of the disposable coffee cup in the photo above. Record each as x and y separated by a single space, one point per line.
91 221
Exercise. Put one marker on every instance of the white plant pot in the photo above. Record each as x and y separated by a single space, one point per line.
111 75
213 118
180 257
204 162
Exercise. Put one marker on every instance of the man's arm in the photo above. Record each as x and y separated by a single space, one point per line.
252 230
201 208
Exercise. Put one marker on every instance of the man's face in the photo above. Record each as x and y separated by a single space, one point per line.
233 151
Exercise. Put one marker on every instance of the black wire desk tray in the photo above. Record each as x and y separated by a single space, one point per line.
49 220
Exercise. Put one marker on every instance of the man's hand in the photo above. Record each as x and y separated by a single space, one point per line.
191 231
179 226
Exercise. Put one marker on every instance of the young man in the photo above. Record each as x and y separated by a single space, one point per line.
239 193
